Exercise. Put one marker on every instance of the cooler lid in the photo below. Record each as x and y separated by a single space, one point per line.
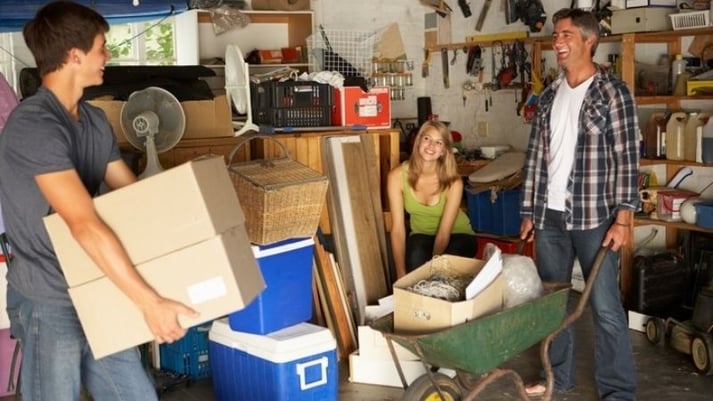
285 345
261 251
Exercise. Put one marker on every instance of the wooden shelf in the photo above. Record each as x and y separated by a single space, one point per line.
679 225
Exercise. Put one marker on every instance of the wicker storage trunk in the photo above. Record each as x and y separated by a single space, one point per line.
280 197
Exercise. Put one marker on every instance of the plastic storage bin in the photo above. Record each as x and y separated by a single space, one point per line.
286 267
292 103
495 212
189 355
7 350
293 364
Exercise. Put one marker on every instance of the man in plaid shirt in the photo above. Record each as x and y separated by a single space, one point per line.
579 194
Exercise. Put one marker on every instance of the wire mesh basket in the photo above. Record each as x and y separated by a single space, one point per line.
690 20
349 52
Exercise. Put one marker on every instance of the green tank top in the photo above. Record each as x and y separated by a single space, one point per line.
424 219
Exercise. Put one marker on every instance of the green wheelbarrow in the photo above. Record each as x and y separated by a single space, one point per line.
480 346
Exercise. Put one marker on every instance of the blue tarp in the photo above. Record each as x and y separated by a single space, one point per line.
15 13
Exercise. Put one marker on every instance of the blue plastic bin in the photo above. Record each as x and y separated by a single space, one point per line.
286 267
189 355
495 212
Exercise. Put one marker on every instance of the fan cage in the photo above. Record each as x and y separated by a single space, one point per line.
355 50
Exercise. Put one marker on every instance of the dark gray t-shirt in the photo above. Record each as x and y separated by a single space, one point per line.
41 137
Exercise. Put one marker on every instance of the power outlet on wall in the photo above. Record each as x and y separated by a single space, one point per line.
482 128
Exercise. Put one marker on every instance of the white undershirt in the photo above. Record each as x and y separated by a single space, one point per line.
564 124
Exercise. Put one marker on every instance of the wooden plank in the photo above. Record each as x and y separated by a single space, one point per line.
336 302
374 182
331 155
365 223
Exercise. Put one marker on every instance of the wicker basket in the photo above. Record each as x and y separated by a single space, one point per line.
280 197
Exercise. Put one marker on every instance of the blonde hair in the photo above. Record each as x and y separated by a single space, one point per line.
447 170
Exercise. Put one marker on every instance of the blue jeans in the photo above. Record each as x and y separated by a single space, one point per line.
57 360
614 368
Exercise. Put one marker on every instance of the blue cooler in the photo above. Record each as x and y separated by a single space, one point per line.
298 363
286 267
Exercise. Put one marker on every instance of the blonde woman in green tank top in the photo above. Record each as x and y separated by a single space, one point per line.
427 190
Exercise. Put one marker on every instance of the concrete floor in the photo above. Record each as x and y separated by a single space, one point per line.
663 375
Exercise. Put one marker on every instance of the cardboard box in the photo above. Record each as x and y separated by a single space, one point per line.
215 277
415 313
643 19
184 231
384 372
204 118
354 107
184 205
373 345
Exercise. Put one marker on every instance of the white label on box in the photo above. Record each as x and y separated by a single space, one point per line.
369 110
206 290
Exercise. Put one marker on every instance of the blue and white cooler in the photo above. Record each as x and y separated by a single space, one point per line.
298 363
286 267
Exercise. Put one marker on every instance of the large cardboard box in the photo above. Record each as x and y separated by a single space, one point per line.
215 277
415 313
204 118
184 205
373 345
184 231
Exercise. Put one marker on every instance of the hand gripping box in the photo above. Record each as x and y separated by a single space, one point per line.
297 363
286 267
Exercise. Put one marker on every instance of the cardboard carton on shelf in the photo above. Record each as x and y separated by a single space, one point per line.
204 118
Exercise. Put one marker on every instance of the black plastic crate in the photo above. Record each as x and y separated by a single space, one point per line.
292 103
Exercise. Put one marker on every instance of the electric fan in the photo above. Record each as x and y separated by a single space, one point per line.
237 88
153 121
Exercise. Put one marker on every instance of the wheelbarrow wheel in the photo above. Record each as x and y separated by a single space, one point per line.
702 353
655 330
422 389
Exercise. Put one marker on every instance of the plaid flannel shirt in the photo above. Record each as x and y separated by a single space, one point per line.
606 162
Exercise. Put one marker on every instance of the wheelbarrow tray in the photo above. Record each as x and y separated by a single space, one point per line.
483 344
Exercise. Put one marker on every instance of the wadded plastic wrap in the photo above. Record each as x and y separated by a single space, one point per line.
522 282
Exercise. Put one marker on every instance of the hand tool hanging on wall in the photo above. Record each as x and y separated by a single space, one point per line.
493 68
507 68
426 62
444 65
474 65
464 8
483 13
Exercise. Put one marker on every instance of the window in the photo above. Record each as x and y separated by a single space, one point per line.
142 43
7 64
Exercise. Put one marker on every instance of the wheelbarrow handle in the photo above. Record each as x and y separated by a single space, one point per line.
570 319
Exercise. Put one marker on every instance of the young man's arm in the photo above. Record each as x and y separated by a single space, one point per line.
68 197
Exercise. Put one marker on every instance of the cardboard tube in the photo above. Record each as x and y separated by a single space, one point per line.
280 5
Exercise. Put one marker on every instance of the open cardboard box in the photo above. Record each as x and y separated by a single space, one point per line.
415 313
184 230
204 118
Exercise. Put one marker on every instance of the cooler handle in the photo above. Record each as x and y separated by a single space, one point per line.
301 367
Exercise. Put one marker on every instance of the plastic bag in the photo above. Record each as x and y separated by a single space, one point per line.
522 282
